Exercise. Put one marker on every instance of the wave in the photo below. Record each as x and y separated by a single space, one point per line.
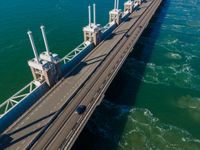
173 56
191 105
172 42
142 129
181 75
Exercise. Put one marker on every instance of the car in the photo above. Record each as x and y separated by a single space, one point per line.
80 109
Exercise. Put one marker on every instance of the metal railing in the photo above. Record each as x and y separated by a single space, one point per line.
75 52
10 103
107 26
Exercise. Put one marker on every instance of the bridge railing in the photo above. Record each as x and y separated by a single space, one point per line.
74 52
10 103
107 27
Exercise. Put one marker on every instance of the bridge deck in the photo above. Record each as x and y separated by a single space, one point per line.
72 91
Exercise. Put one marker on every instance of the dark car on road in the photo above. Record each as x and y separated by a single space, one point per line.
81 109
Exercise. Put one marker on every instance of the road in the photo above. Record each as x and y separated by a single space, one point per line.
85 84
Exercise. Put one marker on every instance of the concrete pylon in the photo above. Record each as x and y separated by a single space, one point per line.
92 32
42 69
115 15
128 6
51 58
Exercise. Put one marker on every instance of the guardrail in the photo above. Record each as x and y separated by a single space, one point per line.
75 52
107 27
10 103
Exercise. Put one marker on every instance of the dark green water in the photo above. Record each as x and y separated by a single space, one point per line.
153 103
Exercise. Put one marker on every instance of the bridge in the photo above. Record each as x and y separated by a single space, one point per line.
44 114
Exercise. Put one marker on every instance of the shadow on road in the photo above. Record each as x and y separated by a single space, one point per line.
6 140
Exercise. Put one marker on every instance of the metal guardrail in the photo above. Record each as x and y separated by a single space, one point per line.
10 103
74 53
107 26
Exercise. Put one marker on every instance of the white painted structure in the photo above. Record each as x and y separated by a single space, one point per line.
115 15
52 58
38 67
129 6
47 55
9 104
46 67
137 3
92 32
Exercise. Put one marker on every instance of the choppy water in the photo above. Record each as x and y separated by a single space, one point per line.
153 103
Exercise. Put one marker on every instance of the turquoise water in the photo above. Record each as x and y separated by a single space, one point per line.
153 103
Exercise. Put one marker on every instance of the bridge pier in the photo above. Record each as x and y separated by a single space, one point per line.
46 67
137 3
115 15
92 32
52 58
129 6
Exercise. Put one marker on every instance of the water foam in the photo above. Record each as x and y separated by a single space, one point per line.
175 56
181 75
140 130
